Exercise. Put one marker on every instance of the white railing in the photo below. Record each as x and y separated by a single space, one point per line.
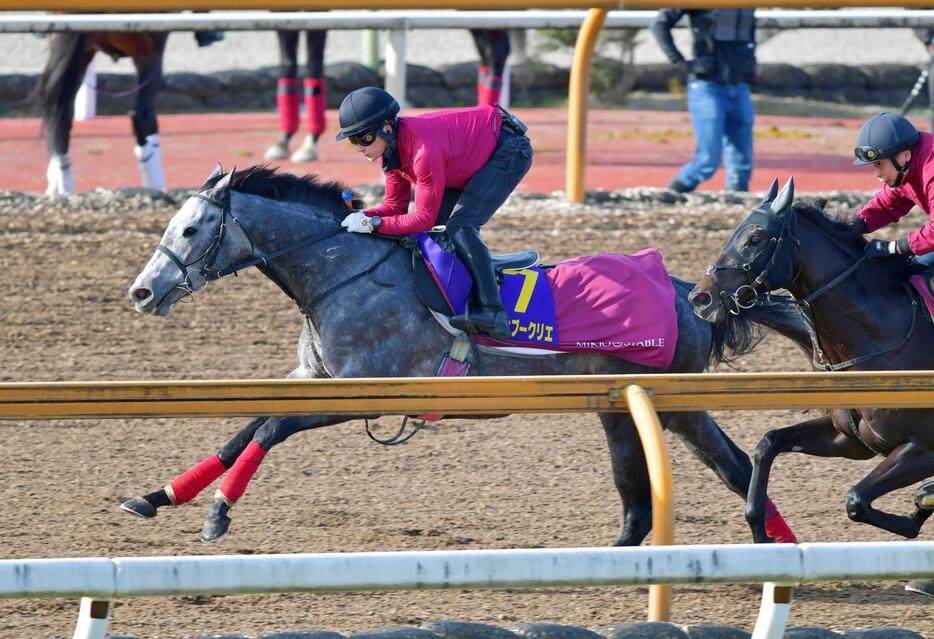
779 566
397 23
439 19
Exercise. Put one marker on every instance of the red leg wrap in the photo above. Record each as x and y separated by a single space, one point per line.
315 104
489 88
775 525
186 486
287 99
242 472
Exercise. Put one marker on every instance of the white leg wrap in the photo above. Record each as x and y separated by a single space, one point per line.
60 178
150 163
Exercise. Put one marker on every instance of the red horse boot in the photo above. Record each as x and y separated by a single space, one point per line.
775 525
217 522
287 102
180 490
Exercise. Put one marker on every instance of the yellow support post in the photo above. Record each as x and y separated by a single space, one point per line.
663 510
577 103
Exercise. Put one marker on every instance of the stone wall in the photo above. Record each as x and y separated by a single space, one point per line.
534 84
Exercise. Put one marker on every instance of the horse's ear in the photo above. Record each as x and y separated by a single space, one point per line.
216 173
785 198
770 196
223 184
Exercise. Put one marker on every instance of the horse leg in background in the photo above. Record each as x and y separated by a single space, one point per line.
55 93
493 47
631 477
287 98
712 446
316 98
271 432
905 465
143 116
817 437
186 486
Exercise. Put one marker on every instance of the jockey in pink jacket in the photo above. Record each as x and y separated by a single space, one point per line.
903 159
462 163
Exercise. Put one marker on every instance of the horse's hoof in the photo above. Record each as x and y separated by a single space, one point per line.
139 507
306 152
924 496
217 523
277 151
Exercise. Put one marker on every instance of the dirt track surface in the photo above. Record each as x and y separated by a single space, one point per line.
534 481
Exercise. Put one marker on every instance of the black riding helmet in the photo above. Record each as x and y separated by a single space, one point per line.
364 111
885 135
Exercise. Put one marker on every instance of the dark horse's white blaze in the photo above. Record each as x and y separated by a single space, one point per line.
237 217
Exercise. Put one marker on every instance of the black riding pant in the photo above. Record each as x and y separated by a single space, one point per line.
490 186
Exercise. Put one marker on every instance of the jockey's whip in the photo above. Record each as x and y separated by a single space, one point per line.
915 90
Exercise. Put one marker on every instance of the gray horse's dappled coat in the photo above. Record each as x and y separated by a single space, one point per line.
374 325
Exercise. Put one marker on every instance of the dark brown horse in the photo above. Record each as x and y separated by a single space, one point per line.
69 57
864 318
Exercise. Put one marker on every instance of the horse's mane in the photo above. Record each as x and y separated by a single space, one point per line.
267 182
833 224
839 227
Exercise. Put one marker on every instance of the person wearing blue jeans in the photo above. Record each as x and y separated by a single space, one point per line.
719 99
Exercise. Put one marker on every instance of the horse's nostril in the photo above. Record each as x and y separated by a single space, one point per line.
141 293
701 299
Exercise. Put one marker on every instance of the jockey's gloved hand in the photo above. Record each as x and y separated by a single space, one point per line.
357 222
881 249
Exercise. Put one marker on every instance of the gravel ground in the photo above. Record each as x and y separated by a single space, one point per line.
25 53
522 481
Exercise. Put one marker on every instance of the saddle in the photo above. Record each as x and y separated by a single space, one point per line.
441 281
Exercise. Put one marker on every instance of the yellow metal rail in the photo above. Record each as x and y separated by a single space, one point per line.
317 5
463 396
661 482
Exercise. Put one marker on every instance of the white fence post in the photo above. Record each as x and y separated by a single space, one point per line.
395 65
774 611
92 619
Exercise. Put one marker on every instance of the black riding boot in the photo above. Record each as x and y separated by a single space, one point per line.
491 318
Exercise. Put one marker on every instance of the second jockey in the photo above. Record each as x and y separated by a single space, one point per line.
903 160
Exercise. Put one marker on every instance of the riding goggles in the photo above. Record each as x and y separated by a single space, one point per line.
362 140
868 154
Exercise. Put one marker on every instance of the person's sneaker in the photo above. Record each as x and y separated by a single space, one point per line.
307 152
278 151
678 186
921 586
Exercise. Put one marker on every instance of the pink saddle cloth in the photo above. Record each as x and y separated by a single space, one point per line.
622 305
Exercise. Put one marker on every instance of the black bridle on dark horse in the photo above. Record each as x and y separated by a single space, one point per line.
780 233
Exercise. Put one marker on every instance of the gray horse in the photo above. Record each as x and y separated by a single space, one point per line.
350 287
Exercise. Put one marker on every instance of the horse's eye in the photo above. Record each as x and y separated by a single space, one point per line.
755 239
189 231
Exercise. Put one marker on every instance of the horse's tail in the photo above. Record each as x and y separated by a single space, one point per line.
61 77
740 334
